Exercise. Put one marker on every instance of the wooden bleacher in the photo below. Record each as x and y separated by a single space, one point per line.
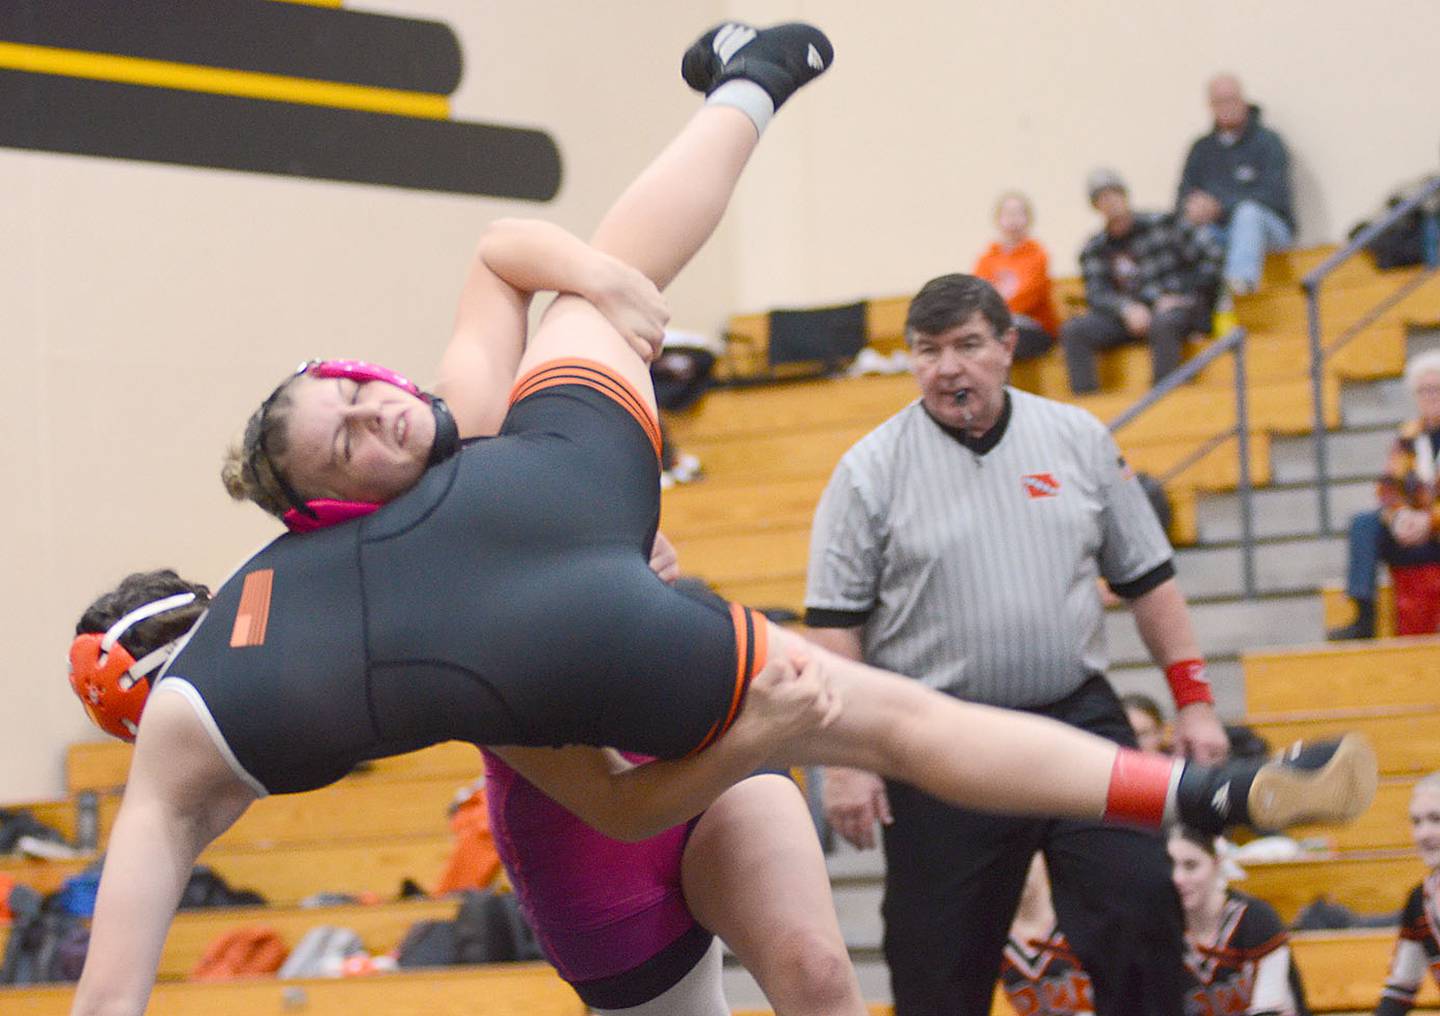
1390 690
381 927
768 451
1340 611
504 989
1354 675
103 765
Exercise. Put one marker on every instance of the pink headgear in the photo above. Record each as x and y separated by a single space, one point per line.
304 515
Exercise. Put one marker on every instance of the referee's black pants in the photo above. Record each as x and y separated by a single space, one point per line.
953 881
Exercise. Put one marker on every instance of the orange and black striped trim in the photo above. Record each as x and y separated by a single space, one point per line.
591 375
751 650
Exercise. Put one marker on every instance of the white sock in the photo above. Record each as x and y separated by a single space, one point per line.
1172 796
748 97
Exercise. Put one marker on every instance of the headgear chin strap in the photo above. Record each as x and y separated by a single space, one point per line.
111 684
308 515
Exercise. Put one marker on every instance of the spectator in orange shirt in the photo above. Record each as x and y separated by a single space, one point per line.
1018 267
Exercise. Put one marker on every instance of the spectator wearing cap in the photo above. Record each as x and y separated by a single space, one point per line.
1236 185
1019 269
1149 276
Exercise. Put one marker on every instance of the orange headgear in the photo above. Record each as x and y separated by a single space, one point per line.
111 684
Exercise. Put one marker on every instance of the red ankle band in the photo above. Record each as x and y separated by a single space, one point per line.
1139 785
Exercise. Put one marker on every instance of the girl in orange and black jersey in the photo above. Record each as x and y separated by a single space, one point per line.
1237 950
1039 973
1418 947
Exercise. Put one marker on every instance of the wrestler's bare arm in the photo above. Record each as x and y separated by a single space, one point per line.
514 260
180 795
635 802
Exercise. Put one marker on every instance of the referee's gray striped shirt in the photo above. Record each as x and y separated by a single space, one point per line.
975 573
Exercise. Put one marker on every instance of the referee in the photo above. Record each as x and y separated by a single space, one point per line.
960 543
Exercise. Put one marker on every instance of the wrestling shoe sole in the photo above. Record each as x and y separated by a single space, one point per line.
1339 791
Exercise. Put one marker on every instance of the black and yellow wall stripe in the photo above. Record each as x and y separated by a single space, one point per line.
290 88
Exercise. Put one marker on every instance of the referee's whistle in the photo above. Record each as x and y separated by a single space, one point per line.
961 398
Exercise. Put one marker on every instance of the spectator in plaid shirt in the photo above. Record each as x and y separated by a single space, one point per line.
1148 276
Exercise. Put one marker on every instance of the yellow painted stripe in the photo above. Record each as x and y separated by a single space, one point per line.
312 3
130 70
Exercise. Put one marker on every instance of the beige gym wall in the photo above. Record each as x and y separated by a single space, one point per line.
147 308
934 108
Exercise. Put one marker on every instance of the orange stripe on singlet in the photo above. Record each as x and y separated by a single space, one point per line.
593 375
751 647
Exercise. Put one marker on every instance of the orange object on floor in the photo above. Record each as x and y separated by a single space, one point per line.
7 885
1417 598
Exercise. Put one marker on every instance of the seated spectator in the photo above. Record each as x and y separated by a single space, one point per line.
1148 721
681 375
1237 951
1039 973
1419 946
1019 269
1402 531
1148 276
1236 184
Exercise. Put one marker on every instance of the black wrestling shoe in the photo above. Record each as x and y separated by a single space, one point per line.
1324 781
779 59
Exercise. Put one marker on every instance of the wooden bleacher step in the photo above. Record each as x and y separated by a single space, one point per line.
286 875
1368 882
1390 672
500 989
1339 610
381 927
355 808
1406 738
103 765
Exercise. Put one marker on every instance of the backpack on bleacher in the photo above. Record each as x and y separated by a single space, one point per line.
207 889
488 928
16 825
427 944
1403 243
46 944
250 951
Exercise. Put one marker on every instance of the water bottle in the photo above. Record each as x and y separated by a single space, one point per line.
87 820
1430 237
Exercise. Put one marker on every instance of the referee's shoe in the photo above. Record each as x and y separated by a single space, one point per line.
1321 781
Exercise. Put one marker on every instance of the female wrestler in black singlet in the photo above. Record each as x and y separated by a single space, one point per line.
356 620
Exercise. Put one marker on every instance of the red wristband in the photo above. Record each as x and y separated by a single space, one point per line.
1188 683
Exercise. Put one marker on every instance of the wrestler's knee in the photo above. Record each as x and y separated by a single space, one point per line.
814 969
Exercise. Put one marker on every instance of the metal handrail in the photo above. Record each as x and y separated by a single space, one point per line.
1311 284
1233 343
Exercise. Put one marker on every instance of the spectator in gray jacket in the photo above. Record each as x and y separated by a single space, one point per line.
1236 184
